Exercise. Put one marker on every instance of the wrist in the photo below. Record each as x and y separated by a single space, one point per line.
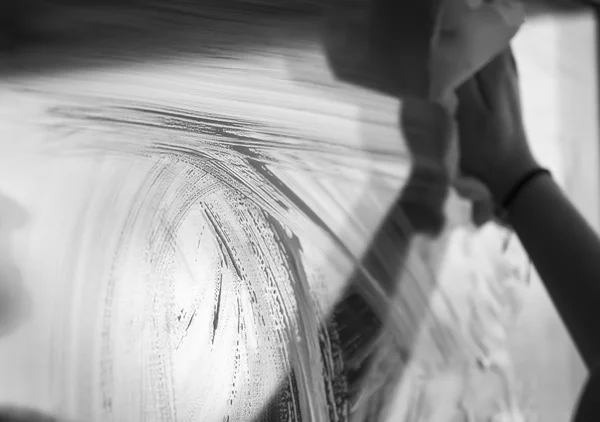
505 177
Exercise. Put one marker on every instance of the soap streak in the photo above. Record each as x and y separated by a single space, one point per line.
259 178
216 313
239 172
347 364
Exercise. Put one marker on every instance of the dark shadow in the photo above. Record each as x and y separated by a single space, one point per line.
20 414
14 299
55 36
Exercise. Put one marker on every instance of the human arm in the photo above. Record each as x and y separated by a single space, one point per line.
565 251
562 246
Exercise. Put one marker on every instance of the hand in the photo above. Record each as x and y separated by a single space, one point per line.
493 143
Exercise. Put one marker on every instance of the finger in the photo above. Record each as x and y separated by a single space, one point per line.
481 88
472 106
512 69
496 79
512 59
500 83
502 68
482 212
471 188
469 95
482 204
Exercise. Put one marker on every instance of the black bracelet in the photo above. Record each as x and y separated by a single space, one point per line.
506 203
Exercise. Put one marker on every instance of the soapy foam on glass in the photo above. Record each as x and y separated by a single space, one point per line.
213 270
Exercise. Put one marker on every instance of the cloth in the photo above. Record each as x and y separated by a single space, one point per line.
469 34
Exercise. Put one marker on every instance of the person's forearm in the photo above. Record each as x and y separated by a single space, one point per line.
566 253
